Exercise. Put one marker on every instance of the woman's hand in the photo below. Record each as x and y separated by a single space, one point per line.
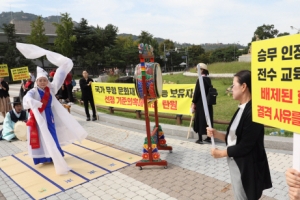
292 178
216 153
193 107
211 132
294 193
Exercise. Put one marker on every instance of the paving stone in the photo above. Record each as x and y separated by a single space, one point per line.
130 194
94 198
119 196
76 196
64 196
150 197
87 194
162 195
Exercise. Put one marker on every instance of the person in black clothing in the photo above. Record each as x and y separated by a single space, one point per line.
87 96
5 105
197 105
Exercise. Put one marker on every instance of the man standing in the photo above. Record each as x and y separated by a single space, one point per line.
13 116
87 96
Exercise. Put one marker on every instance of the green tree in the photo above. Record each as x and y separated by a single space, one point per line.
84 42
38 36
265 32
194 53
65 37
125 52
11 55
166 45
283 34
147 38
227 54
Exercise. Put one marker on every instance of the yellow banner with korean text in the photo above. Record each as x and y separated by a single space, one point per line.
20 73
176 98
4 70
275 82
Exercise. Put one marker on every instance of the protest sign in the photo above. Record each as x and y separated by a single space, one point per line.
175 99
4 70
275 85
20 73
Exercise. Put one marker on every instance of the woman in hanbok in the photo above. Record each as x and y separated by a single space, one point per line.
50 126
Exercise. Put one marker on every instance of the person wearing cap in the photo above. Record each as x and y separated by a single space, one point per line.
197 105
11 118
51 75
4 97
25 87
50 125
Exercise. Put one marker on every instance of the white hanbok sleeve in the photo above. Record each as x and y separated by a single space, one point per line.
63 63
60 75
29 102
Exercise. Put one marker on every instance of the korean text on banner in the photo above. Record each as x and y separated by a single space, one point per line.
20 73
275 82
176 98
4 70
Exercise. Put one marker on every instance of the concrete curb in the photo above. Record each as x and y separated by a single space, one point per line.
271 142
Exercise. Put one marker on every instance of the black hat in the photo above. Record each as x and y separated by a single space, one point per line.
16 101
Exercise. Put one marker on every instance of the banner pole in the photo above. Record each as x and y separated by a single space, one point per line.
201 84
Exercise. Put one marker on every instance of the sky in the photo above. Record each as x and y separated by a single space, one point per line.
183 21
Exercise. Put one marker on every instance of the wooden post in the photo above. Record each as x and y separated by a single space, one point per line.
138 114
178 119
111 110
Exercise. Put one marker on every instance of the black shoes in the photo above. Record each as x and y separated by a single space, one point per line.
208 140
199 142
93 119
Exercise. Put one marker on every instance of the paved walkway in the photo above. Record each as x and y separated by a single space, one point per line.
192 172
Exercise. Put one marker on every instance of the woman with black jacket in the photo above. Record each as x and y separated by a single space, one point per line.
5 105
246 155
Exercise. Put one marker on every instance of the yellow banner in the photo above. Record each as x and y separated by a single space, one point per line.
176 98
275 82
20 73
4 70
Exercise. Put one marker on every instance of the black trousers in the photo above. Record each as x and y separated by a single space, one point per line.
86 107
70 94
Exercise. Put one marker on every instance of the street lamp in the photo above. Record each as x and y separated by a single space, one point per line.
179 51
292 27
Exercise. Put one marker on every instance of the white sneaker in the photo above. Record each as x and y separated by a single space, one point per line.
70 103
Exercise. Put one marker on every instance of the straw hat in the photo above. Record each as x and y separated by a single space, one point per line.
201 66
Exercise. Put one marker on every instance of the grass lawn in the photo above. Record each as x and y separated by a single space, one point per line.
226 67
